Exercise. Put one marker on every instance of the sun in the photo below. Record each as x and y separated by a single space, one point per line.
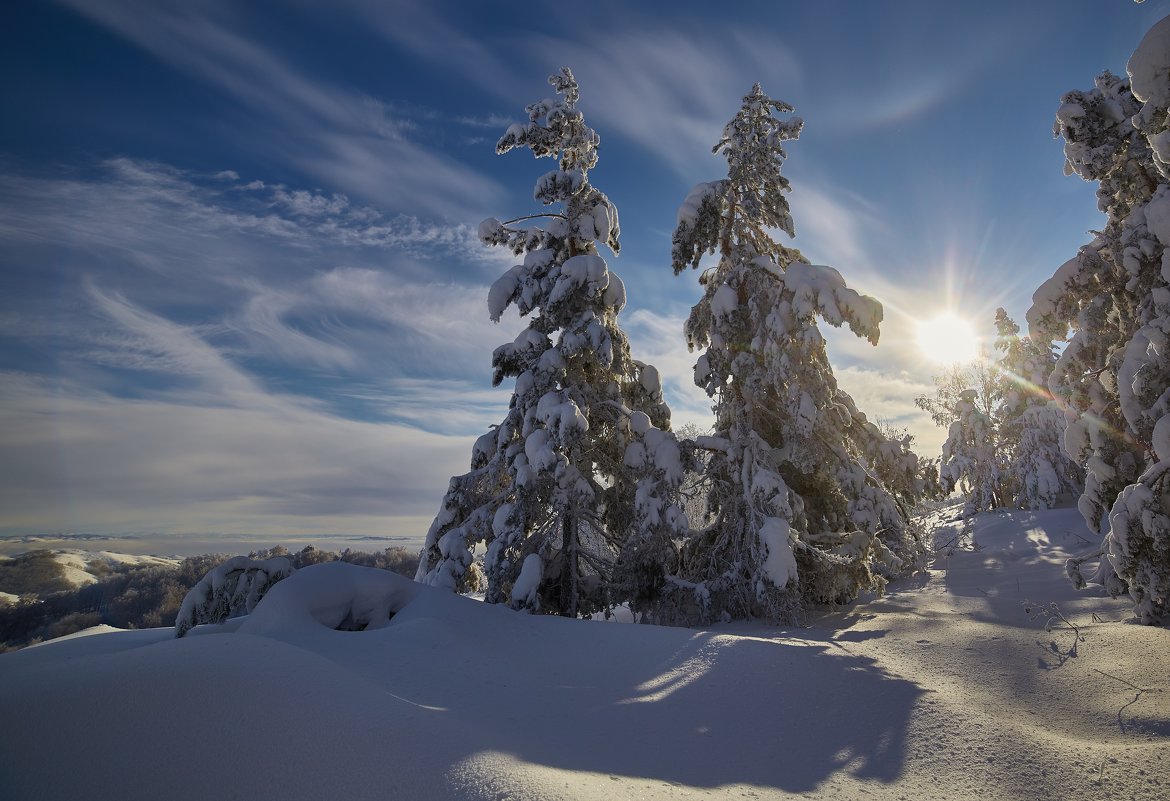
948 339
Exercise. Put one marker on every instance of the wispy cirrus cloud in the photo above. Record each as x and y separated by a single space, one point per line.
432 34
204 445
371 323
140 340
654 78
657 79
657 338
154 210
887 395
838 227
250 269
80 460
294 277
346 139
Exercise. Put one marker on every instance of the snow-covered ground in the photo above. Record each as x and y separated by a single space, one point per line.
950 686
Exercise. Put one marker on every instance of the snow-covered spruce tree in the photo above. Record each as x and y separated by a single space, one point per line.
1003 446
972 459
796 514
1089 295
582 470
1112 302
979 375
888 454
967 402
230 589
1036 470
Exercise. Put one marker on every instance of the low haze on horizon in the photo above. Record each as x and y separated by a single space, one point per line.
242 293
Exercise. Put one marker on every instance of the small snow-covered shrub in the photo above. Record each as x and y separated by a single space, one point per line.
332 595
231 589
972 461
1138 546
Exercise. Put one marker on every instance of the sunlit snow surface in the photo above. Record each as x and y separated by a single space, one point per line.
948 687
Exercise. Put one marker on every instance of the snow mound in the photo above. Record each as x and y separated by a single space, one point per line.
333 595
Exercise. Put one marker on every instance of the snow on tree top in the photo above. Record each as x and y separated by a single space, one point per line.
1046 301
1149 67
1069 112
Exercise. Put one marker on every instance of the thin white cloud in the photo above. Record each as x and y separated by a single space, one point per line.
440 405
152 208
342 137
889 396
306 203
214 452
495 122
77 460
423 29
837 227
257 262
365 321
152 343
670 91
443 312
658 339
263 323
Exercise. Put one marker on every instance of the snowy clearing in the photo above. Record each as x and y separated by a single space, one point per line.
950 686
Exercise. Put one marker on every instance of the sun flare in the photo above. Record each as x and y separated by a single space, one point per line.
947 339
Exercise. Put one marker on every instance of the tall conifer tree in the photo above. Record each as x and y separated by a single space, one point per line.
581 469
797 513
1112 303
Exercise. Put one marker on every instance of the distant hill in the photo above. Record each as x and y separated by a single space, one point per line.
34 573
45 594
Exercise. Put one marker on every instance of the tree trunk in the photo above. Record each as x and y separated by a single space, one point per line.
570 572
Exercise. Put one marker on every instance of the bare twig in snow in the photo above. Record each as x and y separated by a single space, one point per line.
1137 695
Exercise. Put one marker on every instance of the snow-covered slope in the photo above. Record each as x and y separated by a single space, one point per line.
948 687
81 567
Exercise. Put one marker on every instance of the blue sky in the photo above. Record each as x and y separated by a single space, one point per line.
240 290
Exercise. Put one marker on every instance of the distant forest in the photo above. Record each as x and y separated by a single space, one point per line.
131 596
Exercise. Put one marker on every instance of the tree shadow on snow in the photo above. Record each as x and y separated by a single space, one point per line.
728 710
454 680
1013 569
700 708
